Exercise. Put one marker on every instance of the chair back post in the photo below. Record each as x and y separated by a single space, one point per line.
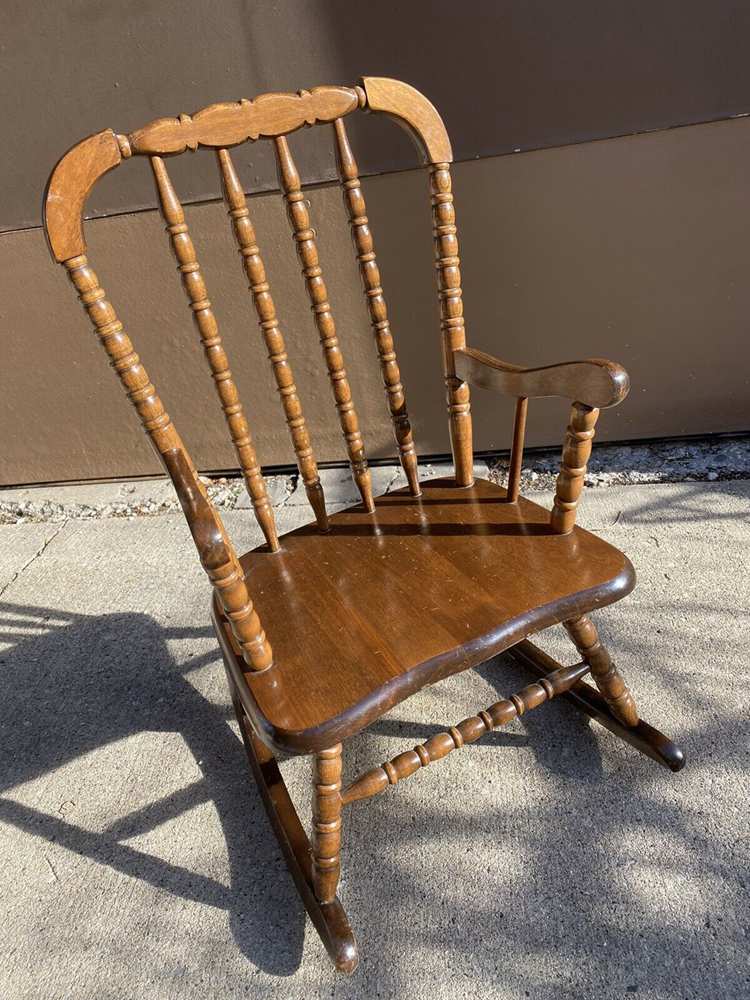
516 453
416 114
447 264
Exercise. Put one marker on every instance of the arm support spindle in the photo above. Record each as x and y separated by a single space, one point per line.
516 452
575 456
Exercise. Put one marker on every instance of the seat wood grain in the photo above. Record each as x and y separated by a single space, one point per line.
425 588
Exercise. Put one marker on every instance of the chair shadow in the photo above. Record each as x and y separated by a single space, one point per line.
82 682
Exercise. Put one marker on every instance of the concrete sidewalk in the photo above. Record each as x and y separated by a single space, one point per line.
548 861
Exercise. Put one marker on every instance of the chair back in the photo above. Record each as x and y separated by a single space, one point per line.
220 127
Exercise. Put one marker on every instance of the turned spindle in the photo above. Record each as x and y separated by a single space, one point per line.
326 828
467 731
307 251
205 322
252 262
354 201
447 263
575 456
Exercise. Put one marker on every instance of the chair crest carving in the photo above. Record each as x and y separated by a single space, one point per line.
229 124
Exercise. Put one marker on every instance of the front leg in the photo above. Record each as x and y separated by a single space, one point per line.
329 916
575 456
326 832
613 688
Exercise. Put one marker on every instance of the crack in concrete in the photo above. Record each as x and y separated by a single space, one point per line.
33 559
291 486
393 480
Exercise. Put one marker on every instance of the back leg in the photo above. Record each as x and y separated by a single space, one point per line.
606 675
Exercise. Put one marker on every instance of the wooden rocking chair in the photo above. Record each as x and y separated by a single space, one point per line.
354 612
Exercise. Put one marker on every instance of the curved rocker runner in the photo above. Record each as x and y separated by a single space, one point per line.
430 580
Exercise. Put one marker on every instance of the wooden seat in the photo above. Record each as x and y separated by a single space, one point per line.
327 627
426 587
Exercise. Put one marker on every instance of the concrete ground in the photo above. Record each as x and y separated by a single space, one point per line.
548 861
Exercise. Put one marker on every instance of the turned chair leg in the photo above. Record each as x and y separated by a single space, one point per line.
309 865
326 830
606 675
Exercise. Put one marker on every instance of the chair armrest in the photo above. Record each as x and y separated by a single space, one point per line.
595 382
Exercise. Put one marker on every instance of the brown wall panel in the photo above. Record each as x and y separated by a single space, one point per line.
633 248
516 74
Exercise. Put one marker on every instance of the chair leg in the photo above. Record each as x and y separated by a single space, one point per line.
615 692
643 737
326 808
328 915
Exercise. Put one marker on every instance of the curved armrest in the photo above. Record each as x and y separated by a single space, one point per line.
595 382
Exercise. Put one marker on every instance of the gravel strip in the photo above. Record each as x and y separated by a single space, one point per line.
611 465
707 460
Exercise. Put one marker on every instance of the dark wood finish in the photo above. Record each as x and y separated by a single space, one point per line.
516 451
611 685
326 815
394 596
208 329
595 381
575 456
423 589
354 201
307 250
247 245
330 919
468 731
642 736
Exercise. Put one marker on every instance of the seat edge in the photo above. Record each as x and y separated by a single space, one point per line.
355 718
